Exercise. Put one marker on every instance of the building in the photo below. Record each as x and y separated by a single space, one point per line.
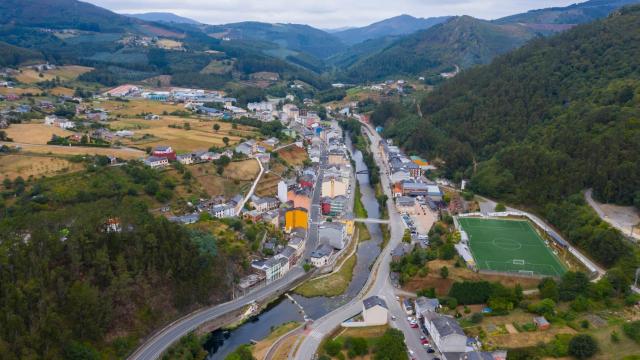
445 332
411 188
156 162
297 243
434 192
425 305
290 254
333 186
375 311
185 159
223 211
296 218
165 152
282 191
321 255
265 204
122 90
260 106
333 233
333 206
273 268
541 323
337 157
245 148
406 205
300 197
60 122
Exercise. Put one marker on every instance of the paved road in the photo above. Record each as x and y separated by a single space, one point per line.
377 284
158 343
240 206
623 218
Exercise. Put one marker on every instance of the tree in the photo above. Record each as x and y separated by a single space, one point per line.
216 127
187 126
500 207
444 272
391 346
548 289
332 347
225 140
583 346
407 236
243 352
476 318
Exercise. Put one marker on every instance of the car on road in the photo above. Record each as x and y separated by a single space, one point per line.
430 350
414 325
393 318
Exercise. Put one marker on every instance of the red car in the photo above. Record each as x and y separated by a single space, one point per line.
424 341
414 325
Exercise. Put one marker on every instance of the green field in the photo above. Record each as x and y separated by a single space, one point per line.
510 246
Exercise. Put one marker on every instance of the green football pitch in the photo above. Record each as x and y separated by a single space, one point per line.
510 246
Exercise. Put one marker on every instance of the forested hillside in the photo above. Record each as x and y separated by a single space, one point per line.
543 123
462 41
12 55
86 269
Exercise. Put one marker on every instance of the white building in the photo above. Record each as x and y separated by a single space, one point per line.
374 311
273 268
282 191
446 333
260 106
156 162
333 233
321 255
223 211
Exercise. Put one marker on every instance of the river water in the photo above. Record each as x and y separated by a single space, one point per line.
282 311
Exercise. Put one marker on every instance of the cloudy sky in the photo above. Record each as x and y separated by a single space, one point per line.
325 13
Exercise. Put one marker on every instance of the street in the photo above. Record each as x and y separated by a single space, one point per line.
377 284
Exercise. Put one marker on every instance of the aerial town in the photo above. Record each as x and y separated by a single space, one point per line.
437 188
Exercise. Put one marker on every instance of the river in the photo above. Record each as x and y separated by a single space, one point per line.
283 310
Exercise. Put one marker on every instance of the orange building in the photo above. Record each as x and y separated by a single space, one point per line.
301 198
296 218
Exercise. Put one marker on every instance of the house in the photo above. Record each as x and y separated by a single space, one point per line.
97 116
164 151
333 233
296 218
265 204
297 243
271 142
156 162
223 211
151 117
60 122
374 311
290 254
185 159
244 148
272 268
320 256
260 106
412 188
446 333
424 305
406 205
541 323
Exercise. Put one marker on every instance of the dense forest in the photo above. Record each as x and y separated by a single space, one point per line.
86 270
540 124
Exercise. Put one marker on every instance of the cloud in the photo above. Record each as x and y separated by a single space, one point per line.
325 13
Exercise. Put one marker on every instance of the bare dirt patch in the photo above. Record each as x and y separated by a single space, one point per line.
34 133
442 286
12 166
293 155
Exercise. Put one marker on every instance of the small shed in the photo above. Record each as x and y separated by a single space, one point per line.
541 322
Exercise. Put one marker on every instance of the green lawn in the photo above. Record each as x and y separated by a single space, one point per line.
510 246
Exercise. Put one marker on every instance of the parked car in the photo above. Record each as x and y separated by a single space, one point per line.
430 350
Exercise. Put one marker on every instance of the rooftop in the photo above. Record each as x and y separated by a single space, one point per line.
374 301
